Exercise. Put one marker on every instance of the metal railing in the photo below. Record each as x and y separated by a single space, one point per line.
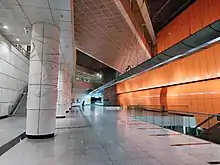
201 125
83 76
22 51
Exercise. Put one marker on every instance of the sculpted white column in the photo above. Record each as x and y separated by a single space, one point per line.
61 110
43 78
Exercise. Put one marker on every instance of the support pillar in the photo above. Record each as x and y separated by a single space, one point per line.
43 78
69 91
61 109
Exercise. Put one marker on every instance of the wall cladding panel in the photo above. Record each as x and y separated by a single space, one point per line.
197 16
14 69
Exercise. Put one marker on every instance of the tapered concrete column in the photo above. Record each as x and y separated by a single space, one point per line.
61 109
43 78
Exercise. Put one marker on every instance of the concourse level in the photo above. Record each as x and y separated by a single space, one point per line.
105 136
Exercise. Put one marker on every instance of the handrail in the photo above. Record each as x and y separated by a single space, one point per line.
186 112
210 116
206 120
22 51
18 101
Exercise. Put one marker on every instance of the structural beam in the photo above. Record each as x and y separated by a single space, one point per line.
146 16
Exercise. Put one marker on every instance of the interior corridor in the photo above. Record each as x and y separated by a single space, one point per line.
100 135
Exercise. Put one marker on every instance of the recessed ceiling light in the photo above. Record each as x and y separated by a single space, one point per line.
5 27
17 39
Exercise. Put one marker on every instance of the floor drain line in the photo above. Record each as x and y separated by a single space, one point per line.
150 128
214 162
83 126
188 144
164 134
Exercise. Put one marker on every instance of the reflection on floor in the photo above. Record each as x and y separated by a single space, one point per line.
112 138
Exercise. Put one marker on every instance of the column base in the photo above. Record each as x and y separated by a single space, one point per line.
60 117
40 136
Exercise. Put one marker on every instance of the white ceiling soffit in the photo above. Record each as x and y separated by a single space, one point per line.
21 14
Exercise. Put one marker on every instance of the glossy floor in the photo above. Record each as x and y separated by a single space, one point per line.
108 137
10 128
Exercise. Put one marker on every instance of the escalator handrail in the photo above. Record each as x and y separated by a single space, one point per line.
179 111
206 120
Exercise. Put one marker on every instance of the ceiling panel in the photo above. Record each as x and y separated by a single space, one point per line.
60 4
3 14
61 15
64 26
16 11
36 14
102 31
34 3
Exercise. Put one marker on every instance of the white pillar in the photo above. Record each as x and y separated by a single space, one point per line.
69 91
61 110
67 87
43 77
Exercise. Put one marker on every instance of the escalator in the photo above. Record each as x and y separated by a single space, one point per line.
200 125
22 108
19 107
209 129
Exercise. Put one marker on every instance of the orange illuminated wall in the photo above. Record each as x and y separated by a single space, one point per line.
197 16
199 66
189 84
192 84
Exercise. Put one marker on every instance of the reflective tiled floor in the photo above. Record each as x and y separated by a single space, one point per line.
112 138
10 128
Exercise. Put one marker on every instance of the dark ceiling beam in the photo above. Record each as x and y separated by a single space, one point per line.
162 7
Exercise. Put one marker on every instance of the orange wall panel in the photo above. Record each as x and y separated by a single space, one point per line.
217 58
202 65
202 96
197 16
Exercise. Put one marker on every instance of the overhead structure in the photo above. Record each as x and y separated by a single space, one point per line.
103 32
200 40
